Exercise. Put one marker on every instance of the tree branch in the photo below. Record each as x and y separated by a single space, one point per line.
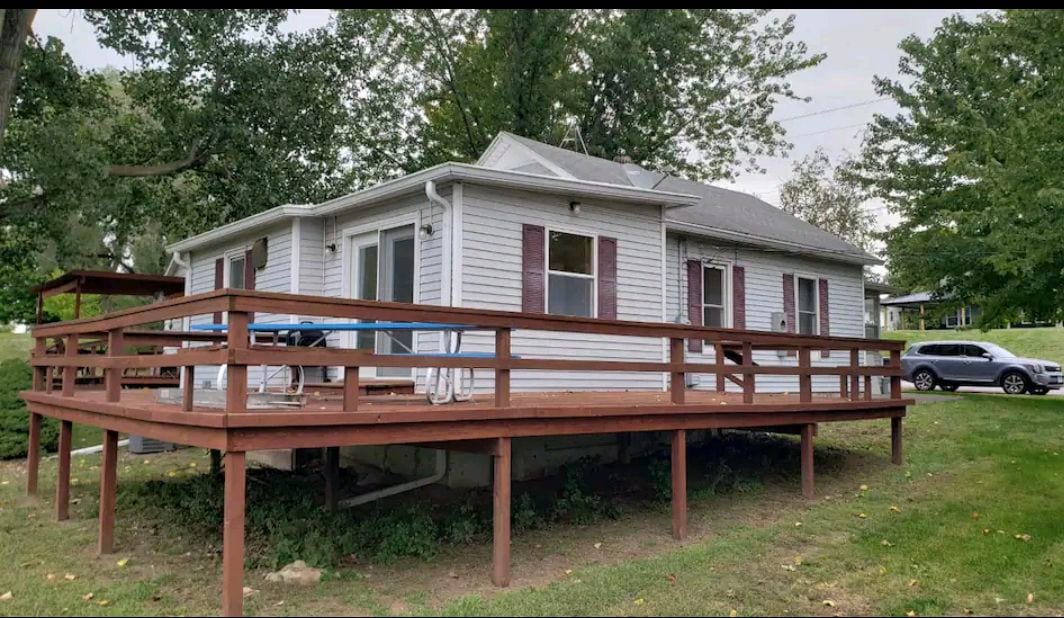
194 157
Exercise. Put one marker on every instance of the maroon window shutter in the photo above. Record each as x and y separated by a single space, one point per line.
607 278
694 300
825 319
788 306
249 278
219 283
533 269
738 297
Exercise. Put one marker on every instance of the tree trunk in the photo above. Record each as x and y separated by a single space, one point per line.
15 28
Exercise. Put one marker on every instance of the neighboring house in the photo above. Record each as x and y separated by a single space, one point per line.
923 311
532 227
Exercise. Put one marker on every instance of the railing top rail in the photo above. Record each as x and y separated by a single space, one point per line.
346 308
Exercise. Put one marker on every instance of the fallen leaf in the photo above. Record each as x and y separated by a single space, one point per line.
864 488
249 591
103 602
70 577
598 545
975 514
123 562
797 524
1023 537
671 578
894 509
733 613
910 613
913 583
829 603
568 571
886 543
640 601
7 596
862 516
87 596
1030 598
50 577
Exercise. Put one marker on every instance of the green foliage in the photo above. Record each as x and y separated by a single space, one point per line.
577 503
829 197
15 376
682 91
973 163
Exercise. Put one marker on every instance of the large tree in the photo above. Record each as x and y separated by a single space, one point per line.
683 91
974 163
829 197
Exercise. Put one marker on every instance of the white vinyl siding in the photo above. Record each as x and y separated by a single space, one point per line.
491 278
764 295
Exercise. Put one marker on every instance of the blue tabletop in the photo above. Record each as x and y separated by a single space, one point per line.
338 326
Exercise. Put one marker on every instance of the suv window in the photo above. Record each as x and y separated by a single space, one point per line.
974 351
942 349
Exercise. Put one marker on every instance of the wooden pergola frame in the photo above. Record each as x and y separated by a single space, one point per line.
485 427
106 283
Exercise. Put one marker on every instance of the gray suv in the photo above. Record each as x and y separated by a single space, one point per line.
949 364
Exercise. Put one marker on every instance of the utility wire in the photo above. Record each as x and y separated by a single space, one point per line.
834 109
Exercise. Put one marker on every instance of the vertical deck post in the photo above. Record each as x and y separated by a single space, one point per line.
108 488
236 388
808 488
62 483
70 373
39 373
844 386
113 375
748 378
805 379
500 549
677 379
33 454
351 388
719 348
855 363
233 534
868 388
895 378
679 484
895 441
502 372
332 477
188 389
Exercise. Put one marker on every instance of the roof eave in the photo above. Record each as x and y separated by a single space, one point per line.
863 259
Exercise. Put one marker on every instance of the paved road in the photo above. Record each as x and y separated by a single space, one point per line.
977 389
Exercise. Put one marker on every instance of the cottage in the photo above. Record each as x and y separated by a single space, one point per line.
537 228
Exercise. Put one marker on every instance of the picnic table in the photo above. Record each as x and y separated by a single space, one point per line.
443 385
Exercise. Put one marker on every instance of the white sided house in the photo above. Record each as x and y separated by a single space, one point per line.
536 228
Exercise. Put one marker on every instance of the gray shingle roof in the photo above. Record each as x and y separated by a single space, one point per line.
730 212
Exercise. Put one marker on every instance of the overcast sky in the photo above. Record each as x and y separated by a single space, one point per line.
858 44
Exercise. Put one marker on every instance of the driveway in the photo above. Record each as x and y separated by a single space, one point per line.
907 386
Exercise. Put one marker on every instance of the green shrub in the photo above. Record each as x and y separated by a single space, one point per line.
15 376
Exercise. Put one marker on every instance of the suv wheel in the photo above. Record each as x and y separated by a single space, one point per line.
924 380
1014 383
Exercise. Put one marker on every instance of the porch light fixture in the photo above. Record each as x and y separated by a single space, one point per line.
425 232
574 207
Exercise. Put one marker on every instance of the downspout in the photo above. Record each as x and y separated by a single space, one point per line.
446 298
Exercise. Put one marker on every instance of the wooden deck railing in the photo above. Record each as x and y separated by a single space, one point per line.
235 349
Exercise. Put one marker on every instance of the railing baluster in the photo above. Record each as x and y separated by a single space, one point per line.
113 375
748 378
855 362
188 389
868 387
351 388
895 378
40 374
677 379
70 372
236 388
805 380
502 372
719 347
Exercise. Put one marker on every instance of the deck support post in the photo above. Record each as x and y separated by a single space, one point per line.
677 379
844 386
868 388
236 386
805 379
70 373
679 484
108 488
808 487
895 441
500 550
331 468
748 378
188 389
855 362
113 375
233 534
350 401
33 454
502 373
62 483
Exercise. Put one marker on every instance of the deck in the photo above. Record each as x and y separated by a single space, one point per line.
350 413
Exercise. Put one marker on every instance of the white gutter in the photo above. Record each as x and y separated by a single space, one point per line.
448 248
763 242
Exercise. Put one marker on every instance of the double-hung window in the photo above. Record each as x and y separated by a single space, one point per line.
570 274
807 306
714 297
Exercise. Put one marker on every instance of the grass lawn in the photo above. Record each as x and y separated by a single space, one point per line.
14 346
970 524
1041 343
